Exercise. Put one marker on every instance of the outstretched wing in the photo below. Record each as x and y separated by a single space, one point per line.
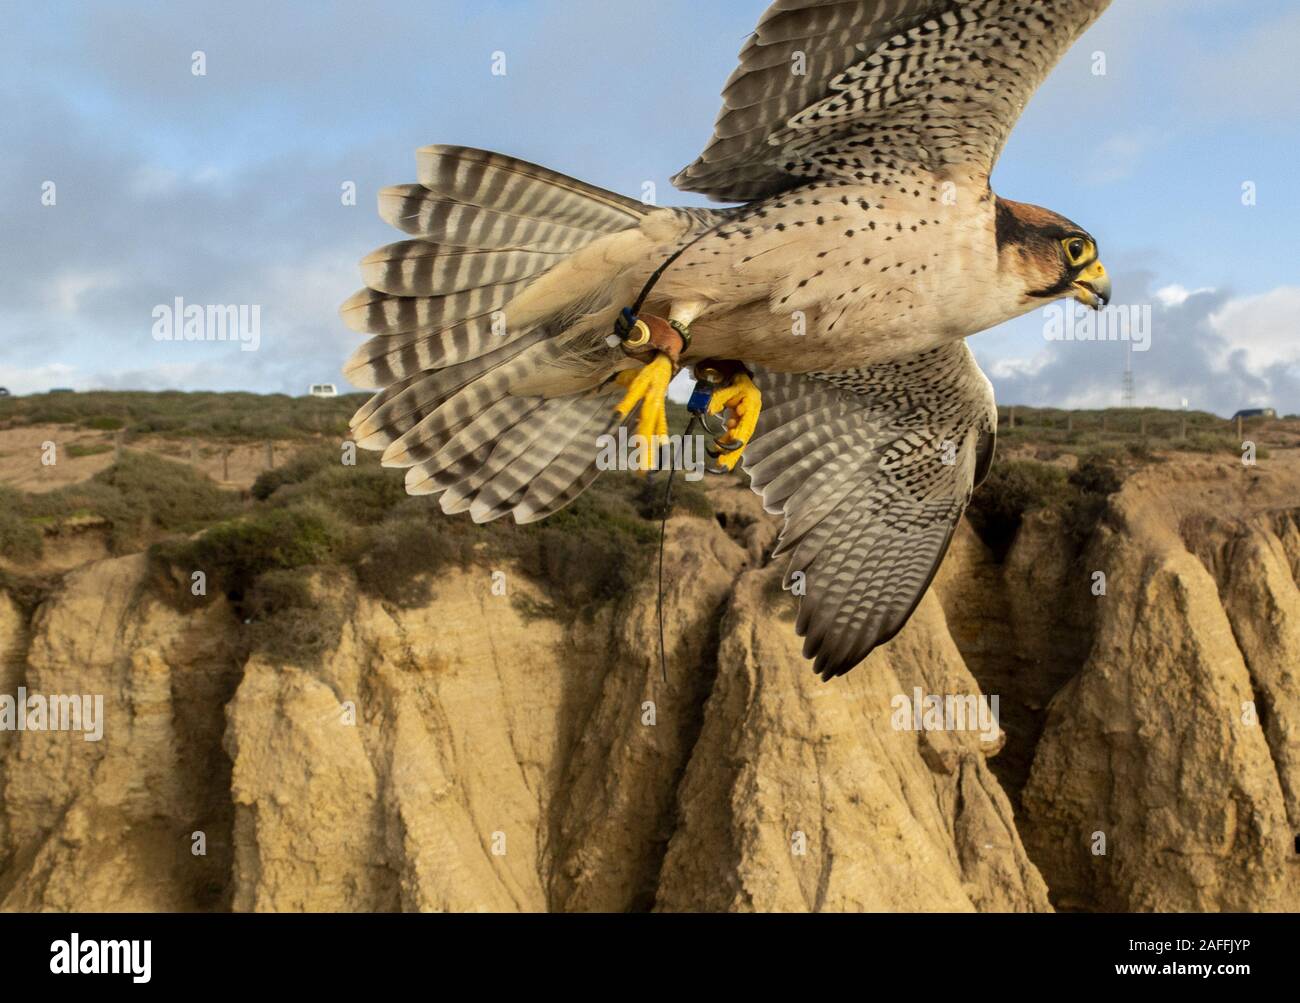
826 88
872 469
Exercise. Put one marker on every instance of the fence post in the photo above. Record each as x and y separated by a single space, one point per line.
1011 418
270 456
117 444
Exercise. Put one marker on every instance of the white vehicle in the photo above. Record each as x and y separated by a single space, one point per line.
323 390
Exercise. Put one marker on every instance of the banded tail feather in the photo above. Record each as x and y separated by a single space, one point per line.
415 210
488 327
506 185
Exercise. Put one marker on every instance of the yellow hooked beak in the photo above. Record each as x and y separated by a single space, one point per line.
1092 287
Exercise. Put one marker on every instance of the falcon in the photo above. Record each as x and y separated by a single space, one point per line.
529 314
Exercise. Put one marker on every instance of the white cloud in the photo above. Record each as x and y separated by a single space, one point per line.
163 376
1177 294
1218 351
68 290
38 379
1006 369
1262 327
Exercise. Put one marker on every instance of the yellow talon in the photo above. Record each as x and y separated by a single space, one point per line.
745 401
649 388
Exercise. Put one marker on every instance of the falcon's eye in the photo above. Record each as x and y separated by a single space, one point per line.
1078 250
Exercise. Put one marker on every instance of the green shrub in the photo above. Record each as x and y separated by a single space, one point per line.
242 417
1097 475
20 539
296 470
103 423
396 560
233 555
137 496
363 495
167 495
77 450
593 551
1018 487
288 621
1014 488
133 495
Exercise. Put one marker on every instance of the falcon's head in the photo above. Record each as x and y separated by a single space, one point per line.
1052 256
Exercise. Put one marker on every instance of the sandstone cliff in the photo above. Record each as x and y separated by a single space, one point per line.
476 753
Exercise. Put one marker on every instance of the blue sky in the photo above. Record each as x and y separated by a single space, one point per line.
225 188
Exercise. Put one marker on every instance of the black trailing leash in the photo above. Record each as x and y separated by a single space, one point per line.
698 407
663 534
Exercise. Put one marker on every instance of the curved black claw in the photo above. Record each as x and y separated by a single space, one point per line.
714 424
716 449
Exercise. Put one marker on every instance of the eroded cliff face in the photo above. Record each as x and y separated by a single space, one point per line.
1176 741
105 824
471 754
